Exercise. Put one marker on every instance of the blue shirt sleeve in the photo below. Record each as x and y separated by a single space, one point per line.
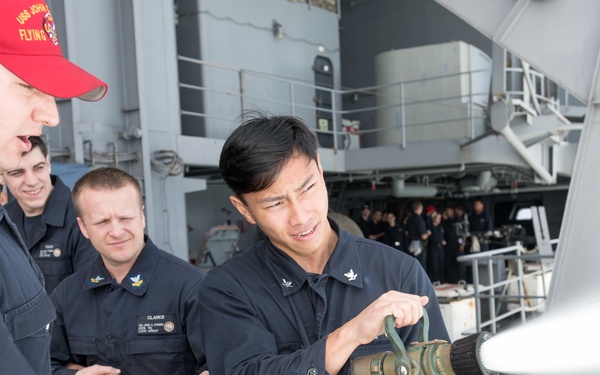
193 329
422 226
59 347
11 358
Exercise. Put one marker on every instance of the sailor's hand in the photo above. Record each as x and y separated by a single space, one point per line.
93 370
407 309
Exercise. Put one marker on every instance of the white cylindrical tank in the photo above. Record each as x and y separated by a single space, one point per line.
431 92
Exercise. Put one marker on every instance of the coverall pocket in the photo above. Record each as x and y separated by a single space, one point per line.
55 267
54 270
158 355
29 325
84 350
32 319
83 346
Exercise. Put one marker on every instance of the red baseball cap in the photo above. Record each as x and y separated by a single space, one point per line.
29 48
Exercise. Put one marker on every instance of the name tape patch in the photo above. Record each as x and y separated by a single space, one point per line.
50 250
155 324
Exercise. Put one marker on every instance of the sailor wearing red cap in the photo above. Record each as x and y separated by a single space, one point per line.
33 72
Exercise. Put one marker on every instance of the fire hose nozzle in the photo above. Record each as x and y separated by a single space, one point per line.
436 357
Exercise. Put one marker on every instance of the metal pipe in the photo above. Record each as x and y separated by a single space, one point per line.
521 282
471 122
492 300
530 86
413 172
242 90
334 124
292 99
403 117
477 295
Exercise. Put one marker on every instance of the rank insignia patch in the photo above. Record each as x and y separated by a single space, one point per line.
137 281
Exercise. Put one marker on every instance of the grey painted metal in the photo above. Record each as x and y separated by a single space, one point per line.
442 82
402 116
130 45
140 69
542 234
189 146
101 54
386 158
246 31
520 148
498 78
577 251
534 31
136 53
531 30
159 115
494 150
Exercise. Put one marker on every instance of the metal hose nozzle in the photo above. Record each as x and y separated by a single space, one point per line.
436 357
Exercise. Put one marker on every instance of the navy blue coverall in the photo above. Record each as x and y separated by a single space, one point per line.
416 227
435 253
263 314
56 242
481 223
148 324
454 270
27 312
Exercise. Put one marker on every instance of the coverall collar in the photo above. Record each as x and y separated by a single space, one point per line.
343 265
138 278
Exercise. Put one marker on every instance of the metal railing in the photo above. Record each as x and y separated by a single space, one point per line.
243 90
382 111
495 290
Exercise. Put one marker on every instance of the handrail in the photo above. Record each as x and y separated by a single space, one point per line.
299 99
489 291
312 85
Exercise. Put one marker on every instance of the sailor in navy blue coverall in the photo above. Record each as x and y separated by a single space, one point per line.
32 74
310 296
53 238
27 312
280 316
136 308
147 324
481 223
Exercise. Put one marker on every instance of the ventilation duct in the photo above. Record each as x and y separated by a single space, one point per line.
401 190
484 182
